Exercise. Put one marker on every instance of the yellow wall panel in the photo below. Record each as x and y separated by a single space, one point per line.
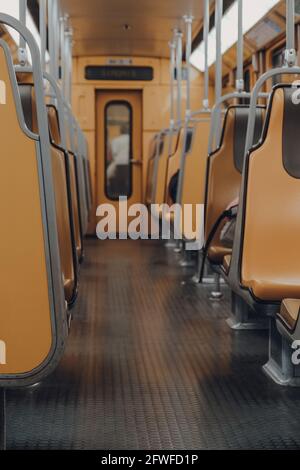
84 105
156 108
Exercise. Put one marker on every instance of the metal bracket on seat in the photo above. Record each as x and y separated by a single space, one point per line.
243 317
279 366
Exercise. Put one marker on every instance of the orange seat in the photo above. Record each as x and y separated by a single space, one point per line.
266 257
173 165
192 191
168 148
224 173
153 153
33 314
73 180
61 194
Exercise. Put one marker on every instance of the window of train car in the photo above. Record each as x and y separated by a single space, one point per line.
118 150
277 61
247 84
247 80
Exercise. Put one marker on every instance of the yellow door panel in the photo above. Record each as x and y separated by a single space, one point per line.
119 167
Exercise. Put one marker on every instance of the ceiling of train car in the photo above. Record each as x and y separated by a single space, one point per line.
128 27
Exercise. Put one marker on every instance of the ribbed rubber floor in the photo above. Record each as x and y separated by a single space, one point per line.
151 364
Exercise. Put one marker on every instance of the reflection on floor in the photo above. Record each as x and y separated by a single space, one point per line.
151 364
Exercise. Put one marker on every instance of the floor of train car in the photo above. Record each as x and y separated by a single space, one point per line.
151 364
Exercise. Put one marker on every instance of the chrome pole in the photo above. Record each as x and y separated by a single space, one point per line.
240 50
51 39
290 53
66 58
189 22
206 68
56 37
63 21
22 53
218 84
43 32
71 66
68 69
172 47
179 74
67 52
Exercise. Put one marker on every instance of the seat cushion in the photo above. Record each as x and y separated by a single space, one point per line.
289 312
217 252
274 290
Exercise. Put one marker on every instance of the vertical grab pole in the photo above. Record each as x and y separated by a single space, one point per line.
218 84
172 47
179 74
66 47
22 53
206 24
63 20
188 21
68 64
51 39
43 32
56 37
206 69
53 27
290 52
71 67
240 50
216 294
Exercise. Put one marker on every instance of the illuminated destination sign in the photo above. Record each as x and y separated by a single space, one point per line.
119 73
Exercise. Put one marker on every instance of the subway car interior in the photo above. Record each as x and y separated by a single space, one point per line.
150 230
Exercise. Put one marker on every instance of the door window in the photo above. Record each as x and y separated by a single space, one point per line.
118 146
